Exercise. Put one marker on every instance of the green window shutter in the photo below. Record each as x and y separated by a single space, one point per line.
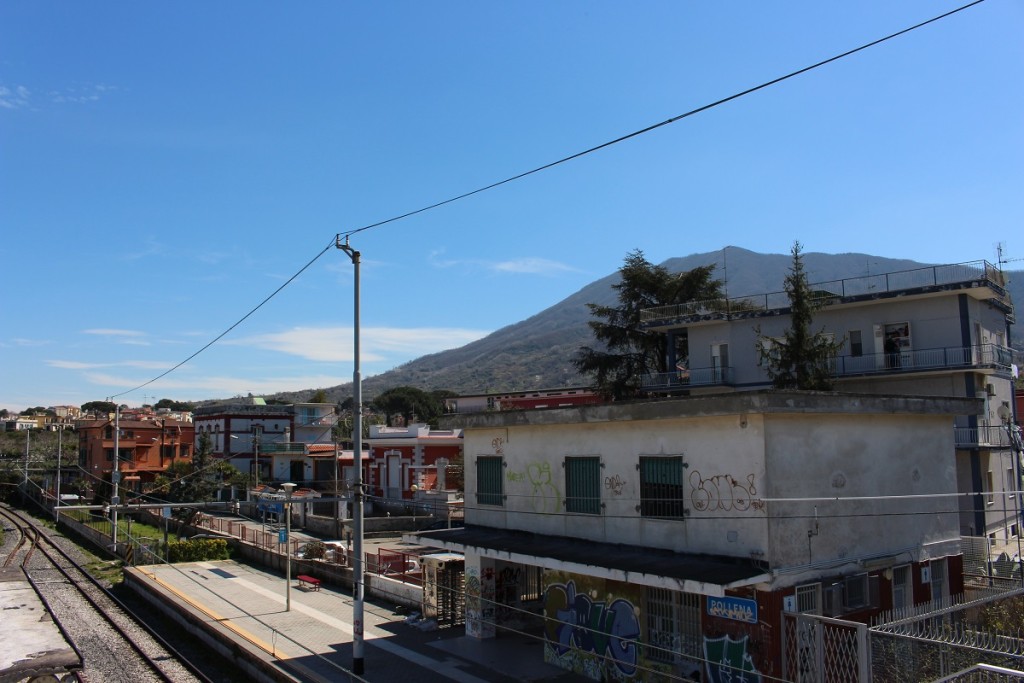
583 485
490 480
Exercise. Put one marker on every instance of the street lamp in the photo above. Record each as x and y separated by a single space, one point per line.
288 488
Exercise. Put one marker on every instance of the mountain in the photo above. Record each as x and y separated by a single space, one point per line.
536 353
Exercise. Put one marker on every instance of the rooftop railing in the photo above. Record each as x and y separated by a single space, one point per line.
866 285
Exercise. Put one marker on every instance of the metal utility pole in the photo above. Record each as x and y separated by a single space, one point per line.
115 476
288 488
28 444
357 466
60 445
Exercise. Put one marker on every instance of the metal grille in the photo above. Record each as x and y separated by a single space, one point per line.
808 598
583 485
673 624
822 650
489 480
661 487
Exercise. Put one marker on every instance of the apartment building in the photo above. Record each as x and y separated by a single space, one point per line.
145 449
935 331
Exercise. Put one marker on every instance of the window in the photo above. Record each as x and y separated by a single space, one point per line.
902 596
185 450
583 485
856 344
855 591
940 589
990 499
661 487
490 480
673 625
808 598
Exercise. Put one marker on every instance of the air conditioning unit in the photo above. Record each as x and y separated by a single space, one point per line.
990 390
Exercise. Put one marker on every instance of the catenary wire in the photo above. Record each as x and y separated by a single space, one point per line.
655 126
552 164
235 324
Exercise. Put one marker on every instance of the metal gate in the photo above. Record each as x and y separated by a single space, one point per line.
819 649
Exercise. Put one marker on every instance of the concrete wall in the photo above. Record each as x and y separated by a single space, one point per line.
860 459
742 451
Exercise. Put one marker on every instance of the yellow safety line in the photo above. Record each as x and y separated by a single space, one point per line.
269 649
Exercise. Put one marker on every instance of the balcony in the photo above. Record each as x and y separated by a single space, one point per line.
982 437
982 278
686 379
269 448
982 356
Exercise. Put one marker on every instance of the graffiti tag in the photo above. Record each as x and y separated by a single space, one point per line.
729 662
592 626
615 484
723 492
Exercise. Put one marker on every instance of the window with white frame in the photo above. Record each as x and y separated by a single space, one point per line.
902 593
673 624
808 598
939 583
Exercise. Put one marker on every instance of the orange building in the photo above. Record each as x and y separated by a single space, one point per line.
147 448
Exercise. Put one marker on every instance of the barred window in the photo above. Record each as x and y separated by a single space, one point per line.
490 480
673 625
808 598
661 487
583 485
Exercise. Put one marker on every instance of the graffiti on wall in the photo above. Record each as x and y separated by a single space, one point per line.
543 492
723 492
729 662
579 624
615 484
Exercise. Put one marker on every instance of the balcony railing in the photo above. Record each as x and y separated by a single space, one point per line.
917 360
867 285
683 379
988 436
950 357
267 448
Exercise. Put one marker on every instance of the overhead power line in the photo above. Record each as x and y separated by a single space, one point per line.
552 164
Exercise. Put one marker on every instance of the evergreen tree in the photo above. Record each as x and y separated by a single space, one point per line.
630 352
801 359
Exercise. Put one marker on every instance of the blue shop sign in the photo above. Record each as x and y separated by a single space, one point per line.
737 609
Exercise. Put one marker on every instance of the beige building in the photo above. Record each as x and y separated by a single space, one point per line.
657 537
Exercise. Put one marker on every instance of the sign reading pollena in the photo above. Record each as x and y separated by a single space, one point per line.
737 609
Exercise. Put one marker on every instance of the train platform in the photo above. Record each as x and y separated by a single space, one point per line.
245 607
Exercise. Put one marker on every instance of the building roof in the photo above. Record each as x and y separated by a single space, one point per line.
697 573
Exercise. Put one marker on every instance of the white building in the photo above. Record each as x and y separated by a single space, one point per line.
655 535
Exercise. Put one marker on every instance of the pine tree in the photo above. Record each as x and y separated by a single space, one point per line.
801 359
630 352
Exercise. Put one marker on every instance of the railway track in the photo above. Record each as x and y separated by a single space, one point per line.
113 643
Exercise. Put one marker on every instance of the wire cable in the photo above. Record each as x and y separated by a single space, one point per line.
655 126
545 167
236 324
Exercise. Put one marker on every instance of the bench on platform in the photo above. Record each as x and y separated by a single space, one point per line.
310 582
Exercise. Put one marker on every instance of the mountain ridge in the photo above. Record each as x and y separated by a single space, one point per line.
536 353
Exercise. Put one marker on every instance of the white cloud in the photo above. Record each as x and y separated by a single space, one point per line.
80 365
111 332
533 266
221 386
335 344
14 99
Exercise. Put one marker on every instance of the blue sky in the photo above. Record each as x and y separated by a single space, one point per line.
164 167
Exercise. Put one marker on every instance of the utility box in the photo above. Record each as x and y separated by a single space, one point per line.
444 588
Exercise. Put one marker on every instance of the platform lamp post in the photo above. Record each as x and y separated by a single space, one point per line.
358 579
288 488
60 445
